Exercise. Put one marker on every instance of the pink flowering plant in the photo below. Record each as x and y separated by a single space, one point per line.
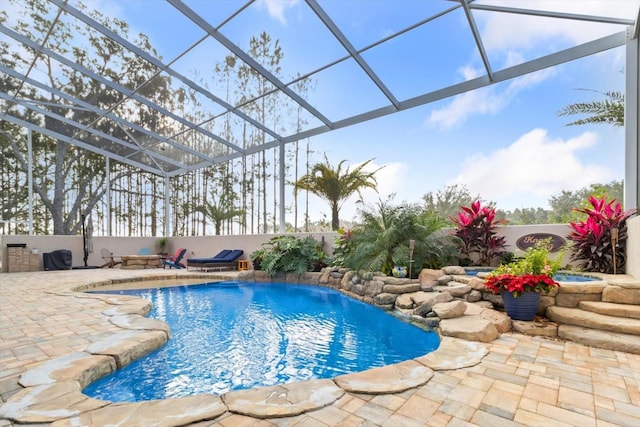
476 227
594 245
531 273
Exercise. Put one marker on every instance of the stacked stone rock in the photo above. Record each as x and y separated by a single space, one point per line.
446 299
140 262
22 260
603 313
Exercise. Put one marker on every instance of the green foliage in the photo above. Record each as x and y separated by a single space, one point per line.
288 254
343 244
447 202
563 204
381 240
536 260
527 216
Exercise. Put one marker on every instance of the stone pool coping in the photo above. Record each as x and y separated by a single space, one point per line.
51 391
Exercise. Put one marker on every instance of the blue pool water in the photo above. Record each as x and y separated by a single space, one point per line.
232 336
560 277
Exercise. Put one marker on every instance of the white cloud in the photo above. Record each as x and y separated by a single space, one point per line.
529 171
487 100
507 31
276 8
512 39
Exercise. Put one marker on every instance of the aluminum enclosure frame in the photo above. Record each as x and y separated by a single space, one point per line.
147 157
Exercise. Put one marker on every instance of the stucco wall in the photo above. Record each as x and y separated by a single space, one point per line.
206 246
197 247
633 247
514 232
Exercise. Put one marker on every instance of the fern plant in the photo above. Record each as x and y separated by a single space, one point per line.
288 254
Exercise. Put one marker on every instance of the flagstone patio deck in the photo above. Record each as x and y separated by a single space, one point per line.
521 380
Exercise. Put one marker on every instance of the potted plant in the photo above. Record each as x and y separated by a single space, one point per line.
162 244
521 282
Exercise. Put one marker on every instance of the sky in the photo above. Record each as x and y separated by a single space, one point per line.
504 142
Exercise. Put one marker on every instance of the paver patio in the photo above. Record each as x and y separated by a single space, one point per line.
522 381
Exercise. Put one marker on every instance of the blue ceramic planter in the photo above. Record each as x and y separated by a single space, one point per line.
399 271
522 308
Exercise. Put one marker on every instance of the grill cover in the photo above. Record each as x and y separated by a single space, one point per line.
57 260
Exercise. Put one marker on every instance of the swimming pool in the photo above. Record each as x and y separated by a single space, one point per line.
234 335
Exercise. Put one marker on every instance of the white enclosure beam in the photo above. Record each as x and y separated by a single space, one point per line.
30 178
283 180
167 207
631 178
108 193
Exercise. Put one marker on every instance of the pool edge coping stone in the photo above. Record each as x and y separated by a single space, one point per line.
323 392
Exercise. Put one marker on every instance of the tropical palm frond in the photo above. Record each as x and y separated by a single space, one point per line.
335 185
609 111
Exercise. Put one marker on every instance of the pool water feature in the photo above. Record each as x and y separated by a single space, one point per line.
233 336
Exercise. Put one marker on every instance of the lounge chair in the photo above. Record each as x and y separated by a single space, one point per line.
175 260
109 260
225 259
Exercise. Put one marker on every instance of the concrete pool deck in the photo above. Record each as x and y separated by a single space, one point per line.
520 381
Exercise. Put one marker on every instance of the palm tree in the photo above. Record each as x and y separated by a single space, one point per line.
610 111
381 240
336 185
219 211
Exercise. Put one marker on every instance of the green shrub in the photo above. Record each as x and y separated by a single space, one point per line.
288 254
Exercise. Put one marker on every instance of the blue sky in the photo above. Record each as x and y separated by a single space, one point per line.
504 142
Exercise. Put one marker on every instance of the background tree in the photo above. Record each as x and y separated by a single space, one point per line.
70 181
447 202
336 185
13 188
527 216
563 204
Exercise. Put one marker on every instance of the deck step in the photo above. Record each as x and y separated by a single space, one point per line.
611 309
600 339
591 320
622 293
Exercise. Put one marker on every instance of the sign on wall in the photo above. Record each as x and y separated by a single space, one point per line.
529 240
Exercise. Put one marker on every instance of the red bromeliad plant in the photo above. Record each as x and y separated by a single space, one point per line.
599 241
476 228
